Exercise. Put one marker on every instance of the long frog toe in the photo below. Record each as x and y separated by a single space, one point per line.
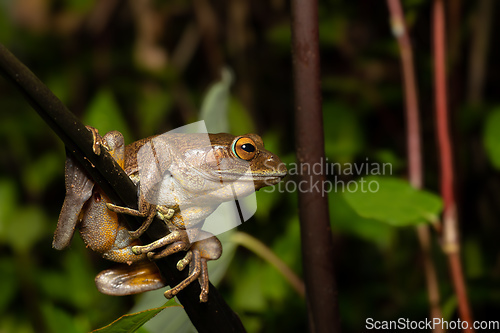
173 237
171 249
181 264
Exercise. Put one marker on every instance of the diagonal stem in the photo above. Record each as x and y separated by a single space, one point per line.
260 249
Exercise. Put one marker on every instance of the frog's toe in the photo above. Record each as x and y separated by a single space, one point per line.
181 264
204 297
138 249
171 249
169 294
165 213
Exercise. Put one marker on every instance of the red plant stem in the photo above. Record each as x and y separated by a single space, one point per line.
413 124
316 235
414 149
450 224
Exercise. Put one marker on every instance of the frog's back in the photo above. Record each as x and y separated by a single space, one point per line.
179 141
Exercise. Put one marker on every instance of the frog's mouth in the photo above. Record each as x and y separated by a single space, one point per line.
272 178
269 178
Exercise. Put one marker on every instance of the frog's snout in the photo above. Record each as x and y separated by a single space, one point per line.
282 169
275 166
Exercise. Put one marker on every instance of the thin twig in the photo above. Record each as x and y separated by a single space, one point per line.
213 316
450 235
260 249
316 236
414 149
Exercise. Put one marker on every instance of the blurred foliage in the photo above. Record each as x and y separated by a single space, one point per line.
391 200
144 67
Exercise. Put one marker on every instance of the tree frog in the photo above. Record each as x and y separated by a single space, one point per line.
196 168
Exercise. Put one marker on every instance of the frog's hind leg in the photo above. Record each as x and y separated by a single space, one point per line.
194 273
197 269
200 252
79 186
78 191
129 279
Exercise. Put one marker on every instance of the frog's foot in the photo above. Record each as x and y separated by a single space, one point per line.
175 241
195 268
164 213
197 257
130 279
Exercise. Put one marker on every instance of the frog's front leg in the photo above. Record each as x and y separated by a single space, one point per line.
145 210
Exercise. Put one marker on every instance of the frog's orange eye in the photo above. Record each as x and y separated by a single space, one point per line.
244 148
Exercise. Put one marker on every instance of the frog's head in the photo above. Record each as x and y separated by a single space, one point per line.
243 158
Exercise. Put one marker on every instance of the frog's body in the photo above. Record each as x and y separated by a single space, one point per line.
198 172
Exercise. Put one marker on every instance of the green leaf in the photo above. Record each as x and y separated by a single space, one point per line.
104 114
132 322
391 200
214 106
344 219
491 137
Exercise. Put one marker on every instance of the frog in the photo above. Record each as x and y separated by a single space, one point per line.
196 169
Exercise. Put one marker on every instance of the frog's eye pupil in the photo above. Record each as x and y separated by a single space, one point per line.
244 148
248 148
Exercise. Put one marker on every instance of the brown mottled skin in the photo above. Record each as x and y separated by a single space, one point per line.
198 169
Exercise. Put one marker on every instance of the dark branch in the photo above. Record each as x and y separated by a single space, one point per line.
213 316
316 236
